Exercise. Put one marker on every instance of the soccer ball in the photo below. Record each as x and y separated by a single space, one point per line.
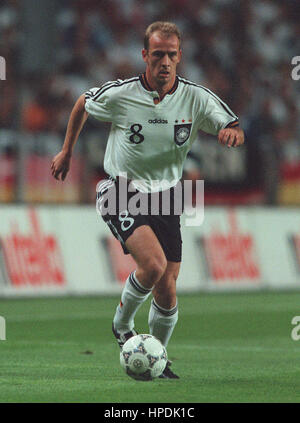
143 357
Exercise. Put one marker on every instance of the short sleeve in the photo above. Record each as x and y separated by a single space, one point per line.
99 104
216 115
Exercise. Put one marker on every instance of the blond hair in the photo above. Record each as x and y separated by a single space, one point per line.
166 28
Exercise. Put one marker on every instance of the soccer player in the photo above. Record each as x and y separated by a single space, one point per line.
155 119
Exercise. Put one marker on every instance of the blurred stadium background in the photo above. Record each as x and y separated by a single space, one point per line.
53 242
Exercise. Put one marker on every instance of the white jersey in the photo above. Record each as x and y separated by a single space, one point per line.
149 142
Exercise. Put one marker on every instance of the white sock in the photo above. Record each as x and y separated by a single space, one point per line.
133 296
162 322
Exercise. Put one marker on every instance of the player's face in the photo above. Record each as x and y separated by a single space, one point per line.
162 58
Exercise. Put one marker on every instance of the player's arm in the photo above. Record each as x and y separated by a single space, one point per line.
218 119
232 135
61 162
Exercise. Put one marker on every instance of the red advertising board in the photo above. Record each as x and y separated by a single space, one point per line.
32 258
231 255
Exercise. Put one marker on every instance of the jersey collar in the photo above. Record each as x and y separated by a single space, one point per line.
147 86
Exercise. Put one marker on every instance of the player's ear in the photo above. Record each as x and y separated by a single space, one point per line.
144 54
179 55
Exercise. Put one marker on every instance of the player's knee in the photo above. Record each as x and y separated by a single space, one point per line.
155 268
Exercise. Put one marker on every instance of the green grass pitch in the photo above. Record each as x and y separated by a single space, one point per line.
229 347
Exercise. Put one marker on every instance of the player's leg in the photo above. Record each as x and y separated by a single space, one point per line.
148 254
163 314
146 250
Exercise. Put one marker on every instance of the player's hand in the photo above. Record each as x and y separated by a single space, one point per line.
232 137
60 165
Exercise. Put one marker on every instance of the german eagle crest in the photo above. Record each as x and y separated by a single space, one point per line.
182 133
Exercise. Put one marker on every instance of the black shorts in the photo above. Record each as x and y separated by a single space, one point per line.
122 223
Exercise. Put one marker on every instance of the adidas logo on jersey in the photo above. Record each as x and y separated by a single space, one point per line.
157 121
